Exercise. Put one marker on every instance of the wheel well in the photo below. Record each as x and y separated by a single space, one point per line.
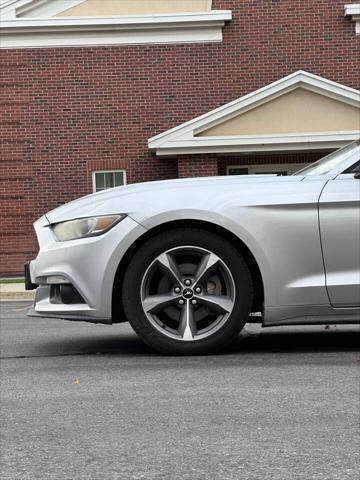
118 313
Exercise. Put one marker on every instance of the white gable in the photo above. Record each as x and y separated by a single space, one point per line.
205 135
298 111
66 23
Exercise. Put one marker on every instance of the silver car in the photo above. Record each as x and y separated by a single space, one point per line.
189 262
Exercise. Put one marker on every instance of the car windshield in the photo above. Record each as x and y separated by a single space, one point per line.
333 160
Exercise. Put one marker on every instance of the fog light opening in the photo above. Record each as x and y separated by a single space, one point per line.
65 294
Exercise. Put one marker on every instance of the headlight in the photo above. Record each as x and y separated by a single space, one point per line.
84 227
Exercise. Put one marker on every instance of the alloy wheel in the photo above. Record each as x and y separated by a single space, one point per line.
188 293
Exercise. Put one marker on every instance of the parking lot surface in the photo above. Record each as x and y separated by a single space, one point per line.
81 401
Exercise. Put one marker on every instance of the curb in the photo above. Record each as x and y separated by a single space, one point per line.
16 296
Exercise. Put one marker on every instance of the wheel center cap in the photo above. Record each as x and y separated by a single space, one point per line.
188 293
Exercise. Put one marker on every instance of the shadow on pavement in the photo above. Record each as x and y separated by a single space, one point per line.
23 336
298 340
280 342
124 344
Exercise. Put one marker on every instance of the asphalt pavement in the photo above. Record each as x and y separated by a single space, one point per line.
82 401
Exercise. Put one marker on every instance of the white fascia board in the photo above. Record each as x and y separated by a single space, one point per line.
110 36
46 9
216 16
188 130
40 8
7 10
265 143
353 10
132 29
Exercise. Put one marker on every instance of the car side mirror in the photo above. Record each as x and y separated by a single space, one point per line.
357 175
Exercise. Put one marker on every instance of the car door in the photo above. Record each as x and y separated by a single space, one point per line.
339 216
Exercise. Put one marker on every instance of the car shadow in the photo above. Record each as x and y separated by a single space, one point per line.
51 337
298 340
279 340
123 344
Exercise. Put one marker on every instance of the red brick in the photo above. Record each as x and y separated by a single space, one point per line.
69 111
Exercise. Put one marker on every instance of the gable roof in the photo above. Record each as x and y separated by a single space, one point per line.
36 23
183 138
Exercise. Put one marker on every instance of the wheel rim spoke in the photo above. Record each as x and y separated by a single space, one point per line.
217 303
169 267
154 303
206 265
187 325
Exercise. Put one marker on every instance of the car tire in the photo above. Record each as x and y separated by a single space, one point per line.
175 318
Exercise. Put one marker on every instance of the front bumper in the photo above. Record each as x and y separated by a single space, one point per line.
28 283
88 265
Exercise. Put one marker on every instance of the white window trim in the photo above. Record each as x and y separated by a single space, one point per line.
106 171
47 31
290 167
353 10
183 138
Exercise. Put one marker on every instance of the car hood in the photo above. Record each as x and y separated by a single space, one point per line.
149 197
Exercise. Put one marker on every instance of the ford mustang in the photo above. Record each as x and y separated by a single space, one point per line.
188 262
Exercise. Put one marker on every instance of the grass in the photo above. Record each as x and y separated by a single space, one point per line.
12 280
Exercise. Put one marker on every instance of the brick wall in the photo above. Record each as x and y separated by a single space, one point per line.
200 166
67 111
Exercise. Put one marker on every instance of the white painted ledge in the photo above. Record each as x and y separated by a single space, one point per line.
67 32
353 10
302 142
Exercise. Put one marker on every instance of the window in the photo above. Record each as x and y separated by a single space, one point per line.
354 168
274 169
108 179
334 162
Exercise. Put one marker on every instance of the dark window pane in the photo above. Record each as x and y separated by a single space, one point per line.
354 168
99 181
119 179
109 179
238 171
282 173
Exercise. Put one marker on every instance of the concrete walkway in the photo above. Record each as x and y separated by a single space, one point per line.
15 292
